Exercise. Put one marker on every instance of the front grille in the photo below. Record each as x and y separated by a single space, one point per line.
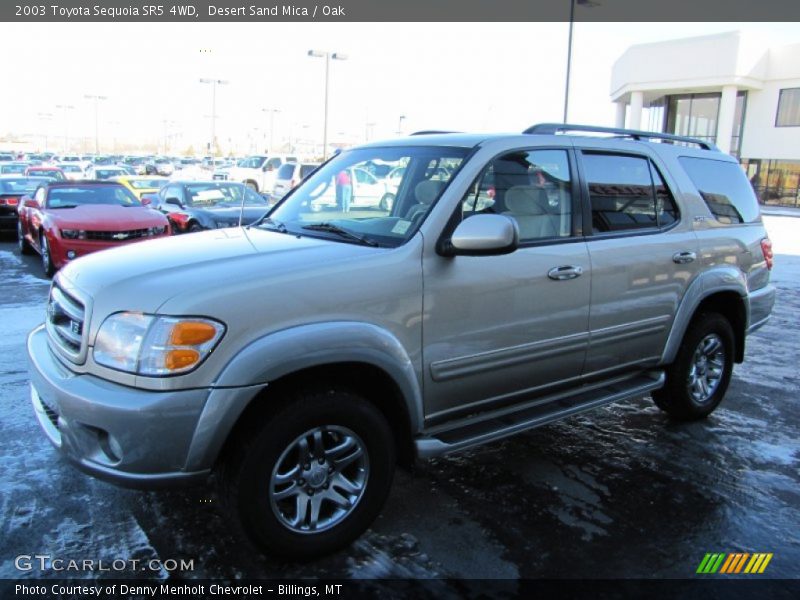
65 321
51 414
118 236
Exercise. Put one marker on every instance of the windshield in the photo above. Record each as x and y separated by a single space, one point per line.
13 169
353 192
70 197
252 162
107 173
147 184
71 168
203 195
20 186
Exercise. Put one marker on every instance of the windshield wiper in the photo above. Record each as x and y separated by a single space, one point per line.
345 233
271 224
65 206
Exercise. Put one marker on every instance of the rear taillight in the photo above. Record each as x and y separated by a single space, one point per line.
766 249
12 201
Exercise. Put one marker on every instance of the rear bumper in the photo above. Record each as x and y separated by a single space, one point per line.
8 222
761 302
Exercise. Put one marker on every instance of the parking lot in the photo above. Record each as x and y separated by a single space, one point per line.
618 492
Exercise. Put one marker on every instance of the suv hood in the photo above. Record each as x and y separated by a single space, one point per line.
146 275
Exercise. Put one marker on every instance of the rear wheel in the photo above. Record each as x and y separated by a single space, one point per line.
699 377
194 227
22 243
313 477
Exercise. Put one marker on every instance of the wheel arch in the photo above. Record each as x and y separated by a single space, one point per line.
723 291
358 356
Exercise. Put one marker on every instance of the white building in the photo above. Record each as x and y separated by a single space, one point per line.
733 90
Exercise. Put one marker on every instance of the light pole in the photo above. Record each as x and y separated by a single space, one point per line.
65 107
166 123
271 112
400 124
96 99
327 56
45 117
214 83
572 3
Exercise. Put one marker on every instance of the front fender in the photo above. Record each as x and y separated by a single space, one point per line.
723 278
284 352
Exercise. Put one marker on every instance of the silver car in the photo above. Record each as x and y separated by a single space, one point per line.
515 280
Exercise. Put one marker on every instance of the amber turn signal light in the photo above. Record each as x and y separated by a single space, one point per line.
191 333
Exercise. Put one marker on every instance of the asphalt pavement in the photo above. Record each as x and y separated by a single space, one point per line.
618 492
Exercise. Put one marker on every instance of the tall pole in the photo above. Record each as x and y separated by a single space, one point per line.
96 99
569 58
213 83
328 57
65 107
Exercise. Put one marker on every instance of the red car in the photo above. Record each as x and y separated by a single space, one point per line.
51 172
65 220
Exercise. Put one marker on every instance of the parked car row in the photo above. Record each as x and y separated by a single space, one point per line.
62 220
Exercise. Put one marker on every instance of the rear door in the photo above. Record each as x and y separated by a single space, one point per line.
643 253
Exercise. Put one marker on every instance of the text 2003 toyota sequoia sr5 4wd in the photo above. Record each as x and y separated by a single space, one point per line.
513 280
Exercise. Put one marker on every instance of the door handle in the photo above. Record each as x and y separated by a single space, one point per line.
683 257
565 272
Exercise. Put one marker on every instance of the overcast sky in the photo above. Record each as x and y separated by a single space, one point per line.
462 76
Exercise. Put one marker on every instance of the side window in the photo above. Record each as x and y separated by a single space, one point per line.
173 191
39 196
620 192
531 186
724 188
273 163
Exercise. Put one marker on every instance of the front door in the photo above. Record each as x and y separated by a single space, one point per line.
498 329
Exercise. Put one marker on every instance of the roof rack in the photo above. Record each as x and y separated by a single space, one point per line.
553 128
430 132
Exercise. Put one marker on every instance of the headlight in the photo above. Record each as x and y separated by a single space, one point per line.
154 346
73 234
157 230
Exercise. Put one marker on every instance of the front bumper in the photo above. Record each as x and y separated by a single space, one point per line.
127 436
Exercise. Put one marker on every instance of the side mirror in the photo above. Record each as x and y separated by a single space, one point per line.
482 235
146 201
174 202
29 202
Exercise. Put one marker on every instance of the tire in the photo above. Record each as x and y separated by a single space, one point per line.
699 377
273 491
387 201
47 259
22 243
194 228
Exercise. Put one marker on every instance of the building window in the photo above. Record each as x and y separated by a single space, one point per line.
788 108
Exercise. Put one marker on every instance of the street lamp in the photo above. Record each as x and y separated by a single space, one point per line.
166 123
271 112
400 124
214 83
96 99
45 117
65 107
327 56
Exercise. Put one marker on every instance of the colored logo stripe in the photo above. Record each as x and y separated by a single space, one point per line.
734 562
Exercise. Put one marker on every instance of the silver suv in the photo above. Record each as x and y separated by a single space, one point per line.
514 280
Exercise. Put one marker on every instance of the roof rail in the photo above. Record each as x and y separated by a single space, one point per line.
553 128
430 132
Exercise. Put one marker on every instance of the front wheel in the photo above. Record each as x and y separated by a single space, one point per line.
312 477
47 259
699 377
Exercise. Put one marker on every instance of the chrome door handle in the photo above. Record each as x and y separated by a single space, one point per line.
565 272
683 257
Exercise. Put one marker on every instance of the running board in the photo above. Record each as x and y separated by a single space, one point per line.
496 425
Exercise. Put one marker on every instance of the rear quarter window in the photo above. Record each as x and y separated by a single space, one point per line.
724 188
286 171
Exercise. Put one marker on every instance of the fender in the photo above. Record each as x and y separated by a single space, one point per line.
284 352
723 278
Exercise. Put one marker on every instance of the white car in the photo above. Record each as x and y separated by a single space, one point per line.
103 172
72 170
368 192
290 175
258 171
